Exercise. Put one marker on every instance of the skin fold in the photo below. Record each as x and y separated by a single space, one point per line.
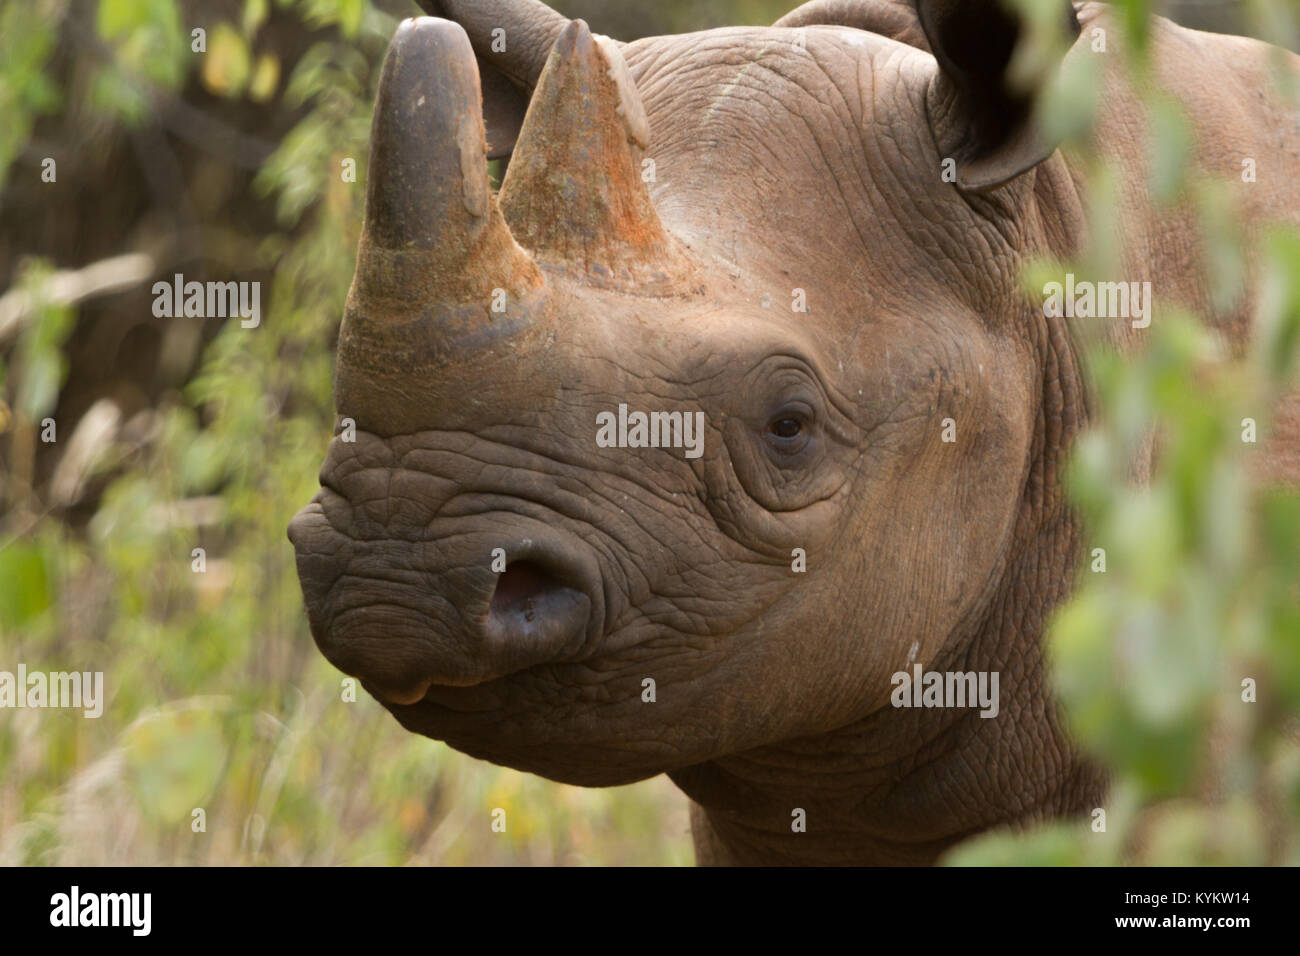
798 165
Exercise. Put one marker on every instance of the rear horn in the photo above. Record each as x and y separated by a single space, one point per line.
574 193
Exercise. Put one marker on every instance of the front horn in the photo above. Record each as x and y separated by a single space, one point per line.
434 242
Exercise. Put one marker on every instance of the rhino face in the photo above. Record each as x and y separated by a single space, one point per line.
842 395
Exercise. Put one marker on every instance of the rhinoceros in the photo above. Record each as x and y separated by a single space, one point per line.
699 446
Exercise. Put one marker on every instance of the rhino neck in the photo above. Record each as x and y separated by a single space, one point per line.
901 786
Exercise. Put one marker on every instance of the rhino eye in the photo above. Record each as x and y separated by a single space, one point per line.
786 427
787 432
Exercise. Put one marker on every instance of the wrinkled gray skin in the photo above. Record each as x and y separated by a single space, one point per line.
776 168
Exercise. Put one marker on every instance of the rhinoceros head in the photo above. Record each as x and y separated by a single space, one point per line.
723 410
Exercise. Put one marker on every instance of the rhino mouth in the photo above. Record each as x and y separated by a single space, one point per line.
407 616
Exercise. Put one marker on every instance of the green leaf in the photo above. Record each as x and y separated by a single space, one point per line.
174 762
25 587
227 65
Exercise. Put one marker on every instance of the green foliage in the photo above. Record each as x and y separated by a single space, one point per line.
150 48
1155 659
216 697
40 361
26 41
26 593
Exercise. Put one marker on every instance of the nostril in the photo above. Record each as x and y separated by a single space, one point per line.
530 605
519 589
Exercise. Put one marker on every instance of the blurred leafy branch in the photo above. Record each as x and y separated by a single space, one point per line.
1177 661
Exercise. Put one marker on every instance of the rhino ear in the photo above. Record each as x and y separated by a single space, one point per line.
898 21
977 119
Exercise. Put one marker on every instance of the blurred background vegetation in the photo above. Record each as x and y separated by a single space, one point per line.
174 435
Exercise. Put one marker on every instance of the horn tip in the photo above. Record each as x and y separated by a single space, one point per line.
576 35
413 29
